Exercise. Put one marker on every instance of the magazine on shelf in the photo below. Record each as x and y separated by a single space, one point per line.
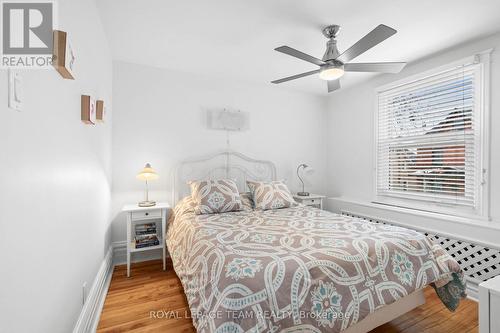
145 228
141 245
146 240
145 232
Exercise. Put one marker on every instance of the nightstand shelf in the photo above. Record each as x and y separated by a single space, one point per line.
313 200
155 214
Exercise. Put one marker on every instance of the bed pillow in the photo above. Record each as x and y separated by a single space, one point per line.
215 196
270 195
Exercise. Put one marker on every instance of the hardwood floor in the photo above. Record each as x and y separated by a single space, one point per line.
144 303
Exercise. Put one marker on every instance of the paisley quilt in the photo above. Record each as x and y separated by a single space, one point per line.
299 269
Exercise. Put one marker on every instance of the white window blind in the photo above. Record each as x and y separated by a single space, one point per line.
428 142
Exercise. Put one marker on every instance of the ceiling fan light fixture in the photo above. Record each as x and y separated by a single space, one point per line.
331 73
334 64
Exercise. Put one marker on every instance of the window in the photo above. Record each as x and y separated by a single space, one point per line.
430 145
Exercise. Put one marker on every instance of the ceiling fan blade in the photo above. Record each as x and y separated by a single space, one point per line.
301 55
374 37
295 76
333 85
381 67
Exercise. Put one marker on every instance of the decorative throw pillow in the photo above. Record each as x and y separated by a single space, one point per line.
215 196
271 195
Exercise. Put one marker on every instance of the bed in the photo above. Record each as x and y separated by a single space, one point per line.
298 269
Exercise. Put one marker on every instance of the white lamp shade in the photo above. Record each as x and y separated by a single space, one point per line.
147 173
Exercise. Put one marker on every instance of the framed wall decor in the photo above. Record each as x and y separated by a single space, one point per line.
99 111
88 110
63 55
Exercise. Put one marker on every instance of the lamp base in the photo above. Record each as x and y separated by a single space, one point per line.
303 194
146 203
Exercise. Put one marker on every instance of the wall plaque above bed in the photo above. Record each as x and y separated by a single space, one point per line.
227 120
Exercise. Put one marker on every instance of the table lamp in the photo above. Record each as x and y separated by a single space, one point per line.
307 170
148 173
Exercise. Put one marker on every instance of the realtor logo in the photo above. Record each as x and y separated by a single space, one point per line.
27 30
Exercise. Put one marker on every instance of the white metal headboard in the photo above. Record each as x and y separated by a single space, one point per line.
223 164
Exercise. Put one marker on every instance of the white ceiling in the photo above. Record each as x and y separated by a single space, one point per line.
236 38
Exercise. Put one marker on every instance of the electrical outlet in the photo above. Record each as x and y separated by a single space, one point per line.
84 292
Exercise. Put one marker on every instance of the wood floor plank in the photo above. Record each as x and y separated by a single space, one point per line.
147 301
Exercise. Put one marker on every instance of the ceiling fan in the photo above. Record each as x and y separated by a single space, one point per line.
334 64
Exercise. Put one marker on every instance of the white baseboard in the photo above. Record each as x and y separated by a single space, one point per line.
120 254
116 255
89 317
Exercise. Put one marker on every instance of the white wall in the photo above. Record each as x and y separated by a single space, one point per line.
160 118
350 137
55 175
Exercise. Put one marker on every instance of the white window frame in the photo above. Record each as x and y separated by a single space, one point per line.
482 145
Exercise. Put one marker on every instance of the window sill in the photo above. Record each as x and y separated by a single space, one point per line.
462 218
469 220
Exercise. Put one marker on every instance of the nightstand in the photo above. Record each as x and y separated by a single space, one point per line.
156 214
313 200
